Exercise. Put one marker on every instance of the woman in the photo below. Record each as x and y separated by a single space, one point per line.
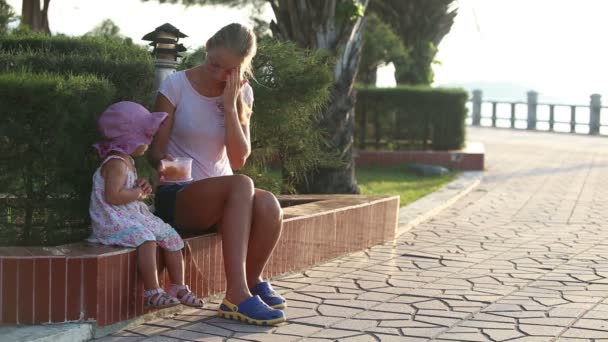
209 108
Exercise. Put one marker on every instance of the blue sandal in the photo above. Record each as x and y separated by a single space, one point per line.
252 311
269 295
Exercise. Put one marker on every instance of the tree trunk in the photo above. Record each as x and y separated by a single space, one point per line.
314 25
36 18
338 121
418 70
372 77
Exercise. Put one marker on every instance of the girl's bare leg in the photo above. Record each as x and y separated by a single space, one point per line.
175 265
146 262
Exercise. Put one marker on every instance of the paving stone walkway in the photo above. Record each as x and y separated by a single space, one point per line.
524 257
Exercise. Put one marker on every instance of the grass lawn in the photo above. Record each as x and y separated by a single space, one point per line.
397 180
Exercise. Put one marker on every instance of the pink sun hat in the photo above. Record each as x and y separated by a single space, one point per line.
125 126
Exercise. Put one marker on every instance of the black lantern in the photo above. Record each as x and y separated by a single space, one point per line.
164 40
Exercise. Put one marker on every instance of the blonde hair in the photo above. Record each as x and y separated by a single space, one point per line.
242 42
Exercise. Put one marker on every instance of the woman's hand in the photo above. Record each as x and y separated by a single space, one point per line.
232 90
236 138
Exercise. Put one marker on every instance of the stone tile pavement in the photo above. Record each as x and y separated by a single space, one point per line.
524 257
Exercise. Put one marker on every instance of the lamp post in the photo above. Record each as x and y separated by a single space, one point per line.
164 40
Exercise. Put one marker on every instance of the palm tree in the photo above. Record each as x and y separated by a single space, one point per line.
34 17
421 24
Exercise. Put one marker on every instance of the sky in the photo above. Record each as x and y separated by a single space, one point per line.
136 18
556 47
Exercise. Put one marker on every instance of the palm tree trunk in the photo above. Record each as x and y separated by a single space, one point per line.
313 25
35 17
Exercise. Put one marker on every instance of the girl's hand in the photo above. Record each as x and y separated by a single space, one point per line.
232 89
142 195
161 169
145 186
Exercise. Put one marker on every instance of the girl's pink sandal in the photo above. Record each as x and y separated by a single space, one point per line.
158 299
187 298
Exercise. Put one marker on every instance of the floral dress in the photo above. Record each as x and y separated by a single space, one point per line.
129 224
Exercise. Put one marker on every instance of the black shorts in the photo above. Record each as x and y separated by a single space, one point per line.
164 201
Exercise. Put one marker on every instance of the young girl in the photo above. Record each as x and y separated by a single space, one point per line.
118 215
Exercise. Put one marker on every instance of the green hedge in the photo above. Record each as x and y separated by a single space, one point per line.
407 117
58 44
45 181
45 146
129 67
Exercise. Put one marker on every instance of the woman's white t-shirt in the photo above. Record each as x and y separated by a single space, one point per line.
198 129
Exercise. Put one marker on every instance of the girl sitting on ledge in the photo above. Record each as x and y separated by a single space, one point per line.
118 215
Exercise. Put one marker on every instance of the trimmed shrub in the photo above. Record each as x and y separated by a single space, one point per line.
48 201
65 45
291 86
129 67
407 117
45 146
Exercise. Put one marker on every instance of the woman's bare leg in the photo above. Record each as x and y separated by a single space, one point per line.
229 201
265 232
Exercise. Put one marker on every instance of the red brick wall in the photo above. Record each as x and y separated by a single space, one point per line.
81 282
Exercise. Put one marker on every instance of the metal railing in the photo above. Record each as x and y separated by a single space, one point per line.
532 115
